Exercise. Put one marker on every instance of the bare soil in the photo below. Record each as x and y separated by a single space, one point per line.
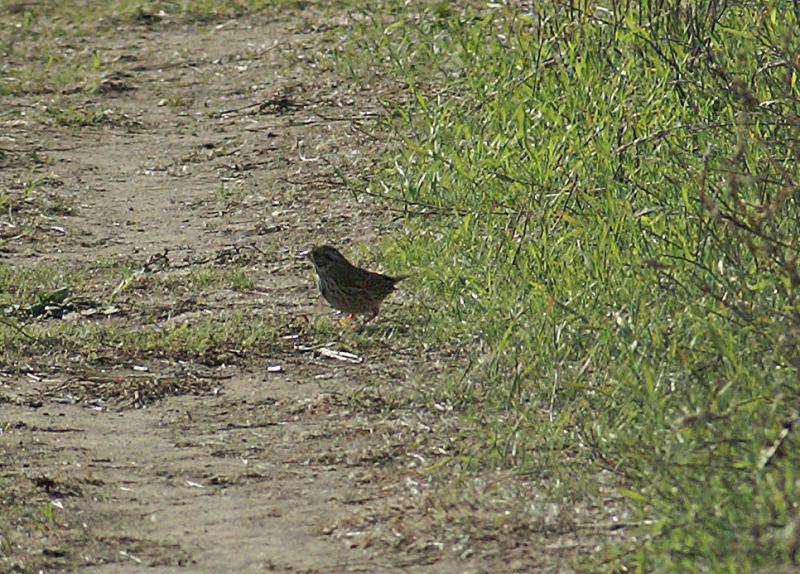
218 147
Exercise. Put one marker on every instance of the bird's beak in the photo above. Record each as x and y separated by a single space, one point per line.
305 254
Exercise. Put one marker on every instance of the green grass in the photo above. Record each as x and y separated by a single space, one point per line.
79 118
223 337
229 277
207 338
602 206
24 285
28 328
204 277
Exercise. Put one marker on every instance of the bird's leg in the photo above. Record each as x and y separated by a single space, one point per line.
371 317
347 320
364 324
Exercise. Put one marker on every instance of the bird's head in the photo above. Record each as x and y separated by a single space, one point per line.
325 256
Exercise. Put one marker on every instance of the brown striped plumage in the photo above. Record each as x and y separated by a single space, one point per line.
346 287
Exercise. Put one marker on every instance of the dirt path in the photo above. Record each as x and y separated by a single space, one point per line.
252 480
214 145
205 172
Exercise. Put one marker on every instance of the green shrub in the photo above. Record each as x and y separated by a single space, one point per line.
603 207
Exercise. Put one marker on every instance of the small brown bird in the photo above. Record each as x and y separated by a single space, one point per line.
348 288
